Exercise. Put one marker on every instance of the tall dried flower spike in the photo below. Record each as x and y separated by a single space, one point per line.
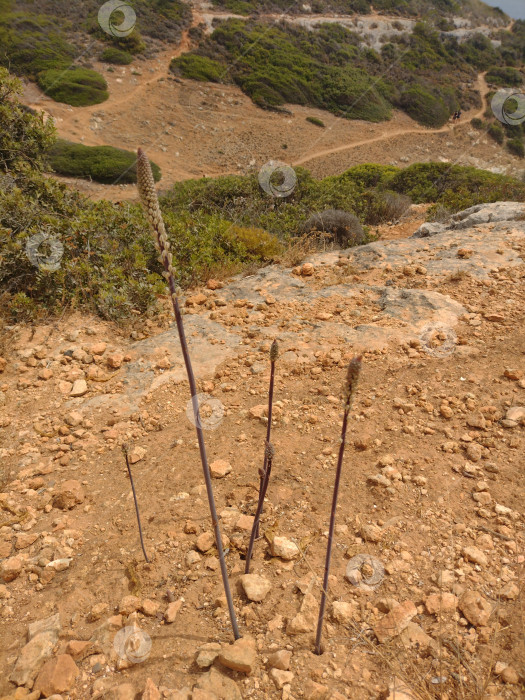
148 196
125 450
352 376
150 202
264 473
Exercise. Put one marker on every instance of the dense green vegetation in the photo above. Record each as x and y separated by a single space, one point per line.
100 163
249 7
74 86
316 121
410 8
116 56
37 38
422 73
216 226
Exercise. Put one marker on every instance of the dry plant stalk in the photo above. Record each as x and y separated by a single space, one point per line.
354 369
125 450
150 202
264 474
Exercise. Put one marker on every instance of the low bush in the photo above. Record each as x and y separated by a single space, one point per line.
74 86
382 206
423 106
496 132
257 243
316 121
196 67
344 227
504 76
116 56
100 163
454 186
439 214
516 147
477 123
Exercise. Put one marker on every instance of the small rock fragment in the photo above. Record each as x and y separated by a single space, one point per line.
256 587
395 621
57 675
284 548
239 656
220 468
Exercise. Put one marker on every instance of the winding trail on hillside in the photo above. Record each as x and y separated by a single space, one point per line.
483 89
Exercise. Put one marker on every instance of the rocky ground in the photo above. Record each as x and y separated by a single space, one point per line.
426 592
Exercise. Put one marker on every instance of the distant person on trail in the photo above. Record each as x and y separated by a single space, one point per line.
454 117
459 114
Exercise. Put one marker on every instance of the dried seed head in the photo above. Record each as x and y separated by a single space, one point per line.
270 452
150 202
125 448
274 351
352 376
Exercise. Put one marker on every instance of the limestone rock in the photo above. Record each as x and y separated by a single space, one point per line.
239 656
394 622
69 495
151 692
280 678
57 675
436 603
256 587
32 656
280 659
223 687
172 611
475 608
79 388
10 569
207 654
284 548
220 468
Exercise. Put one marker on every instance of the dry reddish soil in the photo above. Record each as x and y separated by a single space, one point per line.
432 487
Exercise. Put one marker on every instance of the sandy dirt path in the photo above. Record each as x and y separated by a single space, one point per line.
389 134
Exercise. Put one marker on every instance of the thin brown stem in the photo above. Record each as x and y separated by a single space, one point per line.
149 199
125 450
354 369
266 469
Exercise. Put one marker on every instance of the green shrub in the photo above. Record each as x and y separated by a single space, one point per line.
477 123
384 206
316 121
100 163
504 76
116 56
344 227
424 107
24 137
257 243
516 147
74 86
197 67
496 132
454 186
439 214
